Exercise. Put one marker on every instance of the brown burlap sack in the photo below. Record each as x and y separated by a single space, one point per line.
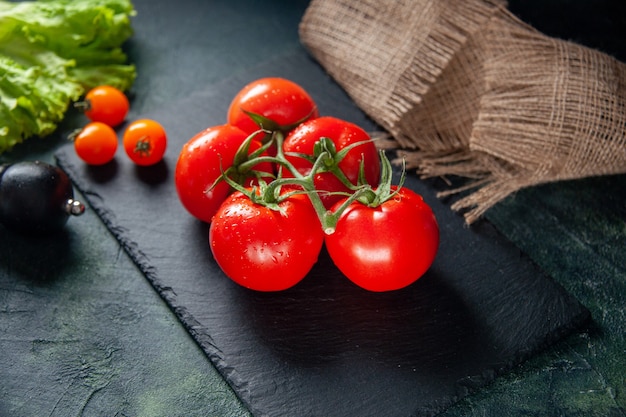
465 88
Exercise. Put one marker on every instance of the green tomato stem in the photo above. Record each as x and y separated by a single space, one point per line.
326 160
327 219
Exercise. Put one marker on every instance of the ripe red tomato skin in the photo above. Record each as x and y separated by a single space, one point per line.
387 247
262 249
343 133
278 99
198 167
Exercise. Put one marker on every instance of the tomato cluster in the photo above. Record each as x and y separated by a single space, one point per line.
145 140
278 181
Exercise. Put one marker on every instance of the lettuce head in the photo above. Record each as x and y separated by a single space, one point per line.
51 53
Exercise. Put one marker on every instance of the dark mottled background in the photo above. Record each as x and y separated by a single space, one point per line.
83 333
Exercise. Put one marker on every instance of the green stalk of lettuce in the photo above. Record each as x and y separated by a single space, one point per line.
51 53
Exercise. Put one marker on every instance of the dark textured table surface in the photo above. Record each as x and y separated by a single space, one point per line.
84 333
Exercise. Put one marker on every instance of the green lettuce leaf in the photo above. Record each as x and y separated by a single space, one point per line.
51 53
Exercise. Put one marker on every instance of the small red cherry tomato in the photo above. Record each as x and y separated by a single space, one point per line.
387 247
201 162
343 134
96 143
282 101
145 142
264 249
105 104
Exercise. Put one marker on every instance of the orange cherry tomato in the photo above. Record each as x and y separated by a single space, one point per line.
105 104
145 142
96 143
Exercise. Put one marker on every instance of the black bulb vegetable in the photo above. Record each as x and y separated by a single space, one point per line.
36 197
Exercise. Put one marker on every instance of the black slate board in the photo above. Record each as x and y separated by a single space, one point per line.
326 347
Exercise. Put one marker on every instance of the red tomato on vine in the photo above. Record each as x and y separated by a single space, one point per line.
203 159
266 249
387 247
282 102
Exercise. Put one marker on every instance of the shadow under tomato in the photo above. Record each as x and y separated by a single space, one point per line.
153 174
101 174
327 318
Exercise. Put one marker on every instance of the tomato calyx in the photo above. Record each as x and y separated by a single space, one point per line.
82 105
143 147
326 149
74 134
366 195
269 126
385 190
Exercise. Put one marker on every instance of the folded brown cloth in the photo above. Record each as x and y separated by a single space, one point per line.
465 88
